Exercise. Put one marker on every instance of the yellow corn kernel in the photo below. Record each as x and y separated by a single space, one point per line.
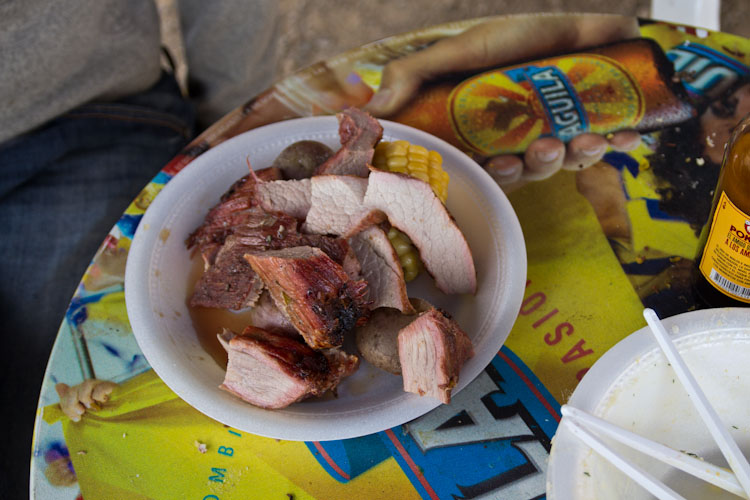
414 160
408 255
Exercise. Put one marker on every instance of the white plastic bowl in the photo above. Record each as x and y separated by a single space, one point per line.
157 281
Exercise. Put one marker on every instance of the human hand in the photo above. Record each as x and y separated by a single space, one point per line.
499 42
74 401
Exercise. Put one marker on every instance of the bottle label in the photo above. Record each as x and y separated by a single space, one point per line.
503 111
726 257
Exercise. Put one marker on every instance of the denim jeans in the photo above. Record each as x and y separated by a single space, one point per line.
62 188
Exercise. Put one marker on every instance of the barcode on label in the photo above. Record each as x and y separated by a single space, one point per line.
727 285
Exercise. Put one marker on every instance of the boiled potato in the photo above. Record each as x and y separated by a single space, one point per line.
377 340
299 160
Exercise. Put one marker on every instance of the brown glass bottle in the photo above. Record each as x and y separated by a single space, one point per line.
625 85
722 275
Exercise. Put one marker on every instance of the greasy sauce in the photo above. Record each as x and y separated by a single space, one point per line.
209 322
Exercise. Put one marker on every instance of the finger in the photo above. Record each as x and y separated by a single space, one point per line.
626 140
584 150
401 80
75 411
543 158
505 170
102 391
62 389
84 392
71 407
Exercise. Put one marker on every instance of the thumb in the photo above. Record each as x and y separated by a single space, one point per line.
400 82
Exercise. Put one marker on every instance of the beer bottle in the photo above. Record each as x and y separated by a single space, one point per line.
625 85
723 259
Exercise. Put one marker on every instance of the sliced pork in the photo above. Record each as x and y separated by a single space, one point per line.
274 371
266 316
314 292
381 269
413 207
359 132
236 207
377 340
336 206
431 350
291 197
230 283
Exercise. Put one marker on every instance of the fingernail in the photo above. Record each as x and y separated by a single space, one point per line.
381 98
593 151
508 172
547 156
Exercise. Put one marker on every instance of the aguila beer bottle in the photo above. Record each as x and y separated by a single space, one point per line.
626 85
723 261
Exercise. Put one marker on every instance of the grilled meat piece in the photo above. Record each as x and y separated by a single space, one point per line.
266 316
291 197
381 269
232 210
431 350
336 206
230 283
413 207
314 292
359 132
274 371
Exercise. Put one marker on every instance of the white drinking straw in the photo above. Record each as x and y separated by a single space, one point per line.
718 430
649 482
708 472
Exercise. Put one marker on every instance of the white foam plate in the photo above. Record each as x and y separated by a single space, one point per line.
156 287
634 387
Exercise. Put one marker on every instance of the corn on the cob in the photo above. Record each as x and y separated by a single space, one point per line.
414 160
407 254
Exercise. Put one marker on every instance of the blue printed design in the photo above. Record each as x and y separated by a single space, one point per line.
705 71
161 178
565 113
128 224
351 457
492 441
623 161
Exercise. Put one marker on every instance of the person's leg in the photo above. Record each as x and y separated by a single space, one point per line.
62 188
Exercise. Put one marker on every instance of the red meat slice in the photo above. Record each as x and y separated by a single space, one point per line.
432 349
381 269
274 371
359 132
230 282
291 197
413 207
233 209
314 292
336 206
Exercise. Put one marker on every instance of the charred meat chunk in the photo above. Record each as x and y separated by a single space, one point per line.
232 210
314 292
359 132
274 371
230 282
